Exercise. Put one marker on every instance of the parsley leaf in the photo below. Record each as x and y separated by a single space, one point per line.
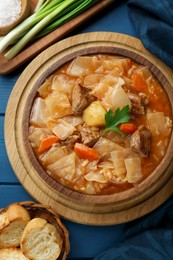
114 118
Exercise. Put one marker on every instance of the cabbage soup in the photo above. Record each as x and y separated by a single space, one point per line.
100 124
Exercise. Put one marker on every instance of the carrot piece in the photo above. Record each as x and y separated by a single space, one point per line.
86 152
128 128
47 142
139 84
129 63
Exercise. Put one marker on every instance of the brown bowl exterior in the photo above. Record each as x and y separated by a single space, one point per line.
82 208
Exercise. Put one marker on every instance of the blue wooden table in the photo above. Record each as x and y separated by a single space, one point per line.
86 241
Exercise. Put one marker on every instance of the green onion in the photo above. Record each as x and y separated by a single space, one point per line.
39 5
73 11
76 9
48 15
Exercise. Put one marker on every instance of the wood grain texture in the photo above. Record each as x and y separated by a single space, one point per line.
94 210
31 51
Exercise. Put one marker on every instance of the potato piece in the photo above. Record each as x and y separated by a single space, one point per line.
94 114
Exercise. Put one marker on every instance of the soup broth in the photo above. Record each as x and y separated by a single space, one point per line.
100 124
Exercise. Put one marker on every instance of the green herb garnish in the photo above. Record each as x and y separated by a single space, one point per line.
114 118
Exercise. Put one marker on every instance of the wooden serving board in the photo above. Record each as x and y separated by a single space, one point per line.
81 211
31 51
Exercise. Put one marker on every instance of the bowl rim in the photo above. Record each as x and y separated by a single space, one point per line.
151 182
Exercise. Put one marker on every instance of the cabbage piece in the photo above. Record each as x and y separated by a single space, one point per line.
161 145
91 166
84 186
100 90
133 168
58 104
37 134
105 146
118 157
63 84
39 113
158 123
63 129
52 155
106 165
95 176
92 80
73 120
82 66
120 63
116 97
45 89
63 168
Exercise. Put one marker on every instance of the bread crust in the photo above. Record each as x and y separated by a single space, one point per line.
13 222
41 240
12 254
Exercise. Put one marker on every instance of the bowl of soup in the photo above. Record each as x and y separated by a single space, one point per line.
97 128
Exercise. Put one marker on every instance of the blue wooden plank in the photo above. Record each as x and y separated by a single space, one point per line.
7 83
6 174
12 193
1 128
90 241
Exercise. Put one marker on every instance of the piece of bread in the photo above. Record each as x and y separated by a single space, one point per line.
12 224
41 240
12 254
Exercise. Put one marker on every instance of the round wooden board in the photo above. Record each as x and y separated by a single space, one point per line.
38 69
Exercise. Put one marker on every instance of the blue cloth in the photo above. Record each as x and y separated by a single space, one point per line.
153 20
148 238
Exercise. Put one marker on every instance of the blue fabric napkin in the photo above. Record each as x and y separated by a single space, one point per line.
153 20
148 238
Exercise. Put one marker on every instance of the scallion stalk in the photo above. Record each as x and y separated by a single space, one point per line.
39 5
75 10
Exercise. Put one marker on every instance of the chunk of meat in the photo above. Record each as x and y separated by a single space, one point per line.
138 103
89 134
81 98
140 141
144 99
71 140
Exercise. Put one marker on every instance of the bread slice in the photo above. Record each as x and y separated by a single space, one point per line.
11 254
12 225
41 240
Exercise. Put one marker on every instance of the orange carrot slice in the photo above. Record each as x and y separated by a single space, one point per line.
139 83
47 142
128 128
86 152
